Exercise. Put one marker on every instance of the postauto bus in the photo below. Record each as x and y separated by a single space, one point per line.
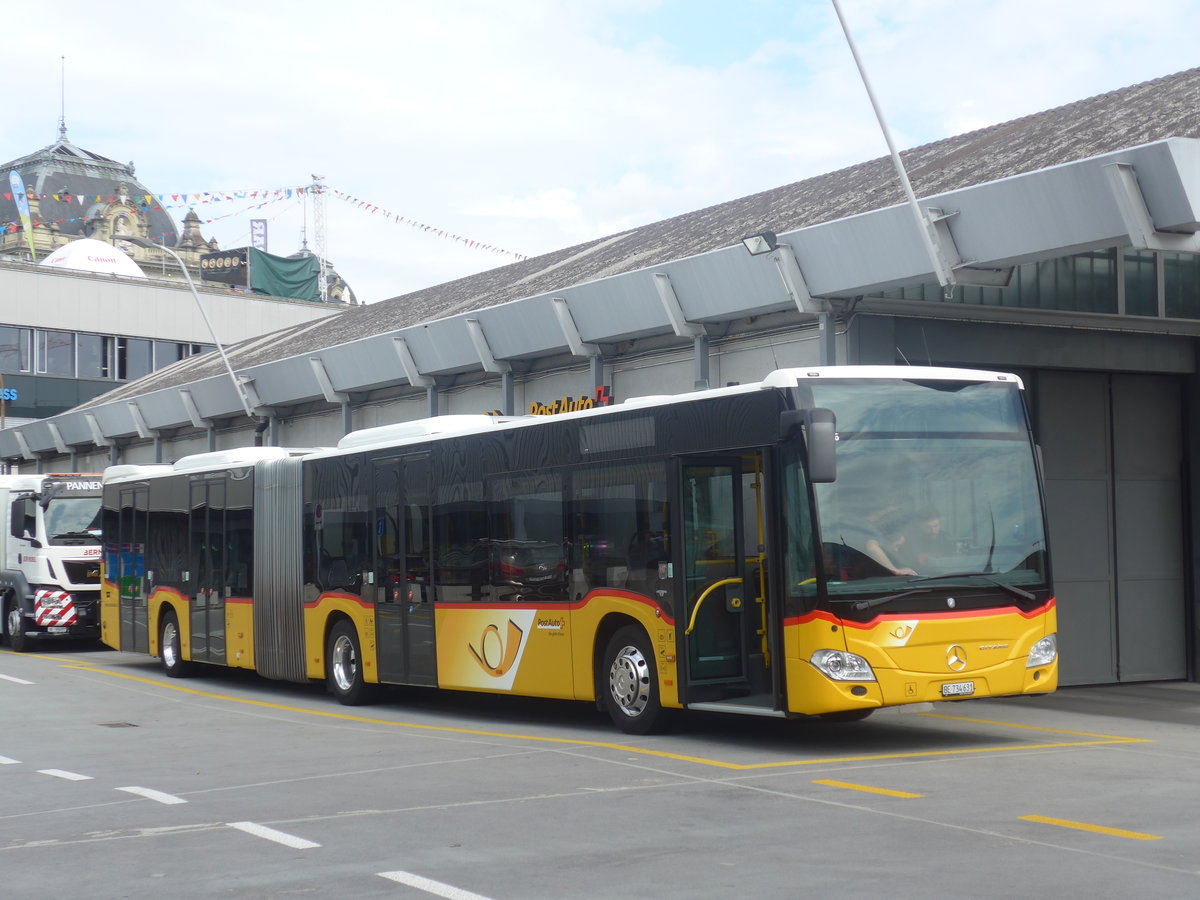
826 542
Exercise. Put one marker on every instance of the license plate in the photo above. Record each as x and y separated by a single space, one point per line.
58 629
958 689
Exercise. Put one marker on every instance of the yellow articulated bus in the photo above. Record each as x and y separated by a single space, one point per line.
826 542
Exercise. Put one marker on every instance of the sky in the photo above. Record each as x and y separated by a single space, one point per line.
460 135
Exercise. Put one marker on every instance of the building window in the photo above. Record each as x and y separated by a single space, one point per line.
1086 283
95 356
1181 284
55 352
1141 283
134 358
168 352
15 344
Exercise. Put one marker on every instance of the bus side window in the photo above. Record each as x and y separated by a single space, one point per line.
527 540
619 529
460 543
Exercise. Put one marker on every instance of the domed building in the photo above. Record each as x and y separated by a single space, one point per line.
74 193
90 311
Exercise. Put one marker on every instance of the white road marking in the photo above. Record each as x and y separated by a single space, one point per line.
279 837
151 794
431 887
15 680
62 773
5 761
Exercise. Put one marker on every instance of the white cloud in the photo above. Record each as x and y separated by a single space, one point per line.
534 124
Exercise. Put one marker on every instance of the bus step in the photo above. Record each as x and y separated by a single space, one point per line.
738 707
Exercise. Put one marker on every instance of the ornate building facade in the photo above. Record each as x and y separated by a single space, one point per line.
74 193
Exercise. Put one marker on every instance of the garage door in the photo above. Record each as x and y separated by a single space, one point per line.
1112 448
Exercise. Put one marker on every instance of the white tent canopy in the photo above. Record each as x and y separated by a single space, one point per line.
89 255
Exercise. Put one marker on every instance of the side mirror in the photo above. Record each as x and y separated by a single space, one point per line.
820 433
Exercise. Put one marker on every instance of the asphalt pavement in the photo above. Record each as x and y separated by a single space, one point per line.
116 781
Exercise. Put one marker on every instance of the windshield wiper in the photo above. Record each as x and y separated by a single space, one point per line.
1012 589
879 601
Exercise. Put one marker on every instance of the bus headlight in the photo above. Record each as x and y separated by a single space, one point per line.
839 665
1044 652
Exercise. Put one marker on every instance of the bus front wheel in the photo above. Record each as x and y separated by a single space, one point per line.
629 683
343 666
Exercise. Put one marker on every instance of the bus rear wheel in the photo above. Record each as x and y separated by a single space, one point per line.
343 666
629 683
170 648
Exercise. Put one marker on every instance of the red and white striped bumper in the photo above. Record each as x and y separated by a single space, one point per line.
51 608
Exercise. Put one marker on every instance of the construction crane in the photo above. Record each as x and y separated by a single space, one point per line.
316 191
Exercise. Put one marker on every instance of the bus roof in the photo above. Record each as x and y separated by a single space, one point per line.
420 430
793 377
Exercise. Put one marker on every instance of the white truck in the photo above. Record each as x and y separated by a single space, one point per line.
49 557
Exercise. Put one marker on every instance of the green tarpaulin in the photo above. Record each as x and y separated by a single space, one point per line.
281 276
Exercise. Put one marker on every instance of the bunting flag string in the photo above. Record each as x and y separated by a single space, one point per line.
260 198
430 229
144 203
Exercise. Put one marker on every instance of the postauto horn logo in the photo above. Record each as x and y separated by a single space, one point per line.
497 654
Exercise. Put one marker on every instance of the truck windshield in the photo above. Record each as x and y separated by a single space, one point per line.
936 490
73 520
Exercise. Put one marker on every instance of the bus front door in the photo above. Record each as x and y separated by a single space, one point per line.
725 629
400 572
715 614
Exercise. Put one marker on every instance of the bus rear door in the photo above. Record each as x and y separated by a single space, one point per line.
133 531
403 597
207 585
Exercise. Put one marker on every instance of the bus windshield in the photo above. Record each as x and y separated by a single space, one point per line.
936 486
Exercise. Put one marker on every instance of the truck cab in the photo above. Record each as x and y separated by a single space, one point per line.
49 557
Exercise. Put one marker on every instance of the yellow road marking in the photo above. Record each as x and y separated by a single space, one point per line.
1098 829
1037 728
1097 739
866 788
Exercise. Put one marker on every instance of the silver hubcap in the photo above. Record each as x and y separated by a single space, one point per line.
629 681
14 621
344 663
170 644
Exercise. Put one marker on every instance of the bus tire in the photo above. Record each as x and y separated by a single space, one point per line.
628 681
170 648
343 666
14 626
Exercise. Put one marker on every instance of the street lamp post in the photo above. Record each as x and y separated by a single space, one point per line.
149 244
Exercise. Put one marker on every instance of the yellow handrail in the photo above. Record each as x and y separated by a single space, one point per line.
708 590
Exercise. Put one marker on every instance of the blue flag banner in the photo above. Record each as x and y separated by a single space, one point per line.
18 189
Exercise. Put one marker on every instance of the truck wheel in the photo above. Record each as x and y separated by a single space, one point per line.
343 666
629 683
14 625
170 648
